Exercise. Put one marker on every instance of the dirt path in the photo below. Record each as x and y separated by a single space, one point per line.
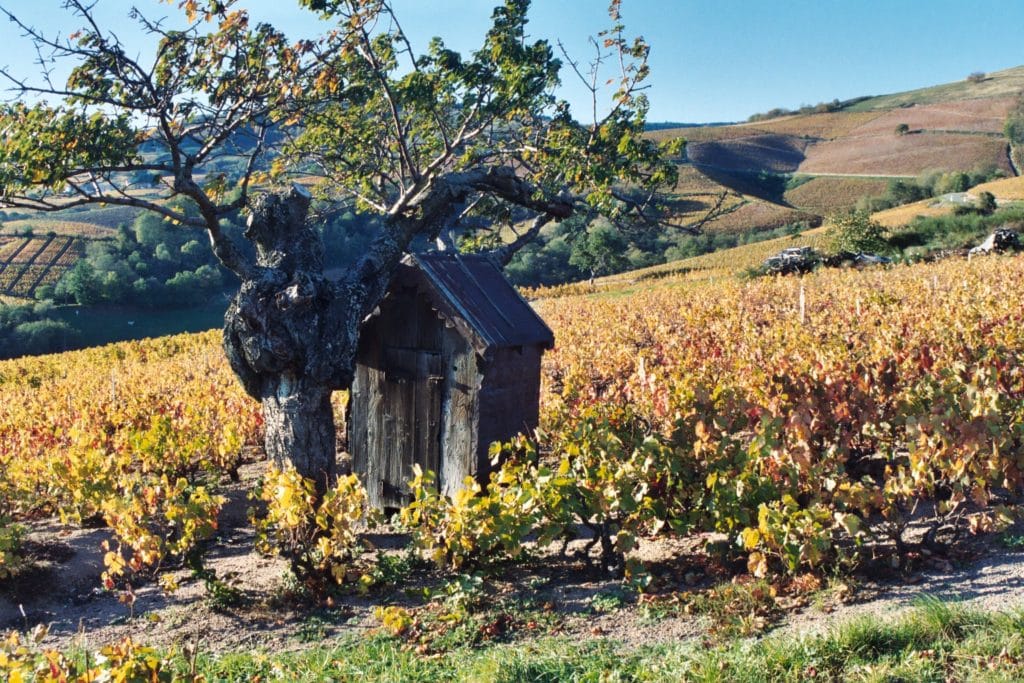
993 582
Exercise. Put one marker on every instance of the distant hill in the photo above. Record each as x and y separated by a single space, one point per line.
1005 83
669 125
825 161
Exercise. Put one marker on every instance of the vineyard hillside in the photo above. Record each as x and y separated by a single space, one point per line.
778 429
824 195
941 136
824 162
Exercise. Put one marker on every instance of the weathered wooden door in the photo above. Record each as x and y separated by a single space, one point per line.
411 412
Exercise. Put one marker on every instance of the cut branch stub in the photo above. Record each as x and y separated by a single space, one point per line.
277 226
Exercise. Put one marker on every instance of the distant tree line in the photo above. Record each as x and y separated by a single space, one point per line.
150 264
155 264
820 108
668 125
574 250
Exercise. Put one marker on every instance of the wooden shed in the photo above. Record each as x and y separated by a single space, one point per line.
447 364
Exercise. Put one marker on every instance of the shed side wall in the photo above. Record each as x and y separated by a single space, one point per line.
509 399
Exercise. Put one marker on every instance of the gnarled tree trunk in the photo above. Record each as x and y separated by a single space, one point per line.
289 337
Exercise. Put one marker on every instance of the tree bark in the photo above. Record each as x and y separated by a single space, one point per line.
299 425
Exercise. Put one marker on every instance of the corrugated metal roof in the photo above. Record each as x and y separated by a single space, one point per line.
478 292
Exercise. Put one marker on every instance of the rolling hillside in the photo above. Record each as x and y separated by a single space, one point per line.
1005 83
819 163
942 136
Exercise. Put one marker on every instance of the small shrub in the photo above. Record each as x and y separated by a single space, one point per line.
321 537
23 659
856 232
986 203
10 541
473 526
610 478
155 519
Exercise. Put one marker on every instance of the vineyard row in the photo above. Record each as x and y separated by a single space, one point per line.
35 262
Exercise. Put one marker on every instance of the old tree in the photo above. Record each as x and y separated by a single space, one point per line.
427 142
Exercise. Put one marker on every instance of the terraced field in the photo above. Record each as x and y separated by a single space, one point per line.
64 228
696 193
755 215
971 116
27 263
95 221
773 153
825 126
36 250
707 133
942 137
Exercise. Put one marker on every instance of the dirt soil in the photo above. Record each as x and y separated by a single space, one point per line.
62 589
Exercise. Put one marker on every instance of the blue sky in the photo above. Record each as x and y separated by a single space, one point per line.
712 60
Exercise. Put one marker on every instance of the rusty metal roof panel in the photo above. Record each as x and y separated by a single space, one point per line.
476 289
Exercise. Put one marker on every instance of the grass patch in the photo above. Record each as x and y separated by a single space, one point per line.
936 641
732 610
925 234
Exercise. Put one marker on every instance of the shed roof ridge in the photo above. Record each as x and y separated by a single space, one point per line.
474 288
455 300
469 274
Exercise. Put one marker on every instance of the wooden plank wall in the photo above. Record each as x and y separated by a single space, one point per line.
397 389
460 412
509 399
